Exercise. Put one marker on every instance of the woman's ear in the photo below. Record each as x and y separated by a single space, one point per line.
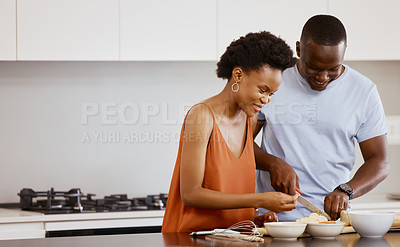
237 74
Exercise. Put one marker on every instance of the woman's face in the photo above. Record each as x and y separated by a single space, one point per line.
256 88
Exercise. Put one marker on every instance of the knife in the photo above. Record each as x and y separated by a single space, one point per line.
312 207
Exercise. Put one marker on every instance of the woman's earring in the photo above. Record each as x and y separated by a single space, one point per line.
235 90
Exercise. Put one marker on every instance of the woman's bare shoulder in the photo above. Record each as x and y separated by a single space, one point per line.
201 113
198 125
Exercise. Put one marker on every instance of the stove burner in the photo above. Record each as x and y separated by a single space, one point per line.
74 201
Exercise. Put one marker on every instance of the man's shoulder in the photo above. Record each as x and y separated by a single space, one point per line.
358 78
288 77
289 71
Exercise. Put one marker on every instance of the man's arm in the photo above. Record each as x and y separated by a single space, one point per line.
374 170
283 177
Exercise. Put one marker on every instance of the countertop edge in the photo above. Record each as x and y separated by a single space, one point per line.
19 216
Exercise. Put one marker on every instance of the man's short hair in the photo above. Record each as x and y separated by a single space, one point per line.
324 30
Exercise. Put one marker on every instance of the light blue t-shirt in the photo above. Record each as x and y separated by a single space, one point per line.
315 132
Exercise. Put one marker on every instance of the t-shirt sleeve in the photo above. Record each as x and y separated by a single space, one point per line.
374 123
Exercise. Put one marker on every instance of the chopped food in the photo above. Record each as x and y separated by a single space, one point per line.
313 217
396 222
344 217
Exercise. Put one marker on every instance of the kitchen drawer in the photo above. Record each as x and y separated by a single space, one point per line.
21 230
102 224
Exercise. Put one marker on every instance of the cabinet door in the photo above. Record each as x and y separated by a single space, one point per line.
68 30
8 30
168 30
372 28
283 18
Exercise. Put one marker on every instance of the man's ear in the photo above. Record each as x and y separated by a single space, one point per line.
298 48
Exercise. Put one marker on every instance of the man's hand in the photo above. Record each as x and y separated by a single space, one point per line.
335 202
283 177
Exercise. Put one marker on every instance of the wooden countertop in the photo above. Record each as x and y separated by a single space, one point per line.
183 239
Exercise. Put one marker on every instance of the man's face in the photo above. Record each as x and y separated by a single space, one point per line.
320 64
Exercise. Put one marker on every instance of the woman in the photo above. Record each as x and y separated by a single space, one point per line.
213 182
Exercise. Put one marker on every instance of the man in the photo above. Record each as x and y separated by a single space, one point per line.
311 125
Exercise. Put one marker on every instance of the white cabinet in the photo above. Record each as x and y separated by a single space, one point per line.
181 30
372 28
68 30
168 30
8 30
283 18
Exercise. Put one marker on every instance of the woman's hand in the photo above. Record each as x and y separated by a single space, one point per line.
277 201
268 217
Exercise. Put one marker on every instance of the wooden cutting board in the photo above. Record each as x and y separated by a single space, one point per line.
348 229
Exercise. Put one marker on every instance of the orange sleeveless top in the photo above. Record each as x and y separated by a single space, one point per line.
223 172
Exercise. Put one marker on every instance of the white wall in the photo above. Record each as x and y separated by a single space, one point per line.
41 129
41 134
386 76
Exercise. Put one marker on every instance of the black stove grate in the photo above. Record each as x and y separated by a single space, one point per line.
74 201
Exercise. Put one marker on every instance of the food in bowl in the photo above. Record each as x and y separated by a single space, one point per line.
328 229
313 217
285 230
371 223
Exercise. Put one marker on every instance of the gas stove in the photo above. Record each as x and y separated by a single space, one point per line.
75 201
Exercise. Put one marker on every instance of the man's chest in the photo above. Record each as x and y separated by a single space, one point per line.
322 115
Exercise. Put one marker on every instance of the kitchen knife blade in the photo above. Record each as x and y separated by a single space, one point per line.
312 207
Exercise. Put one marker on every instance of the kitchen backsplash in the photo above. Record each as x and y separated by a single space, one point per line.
113 127
386 75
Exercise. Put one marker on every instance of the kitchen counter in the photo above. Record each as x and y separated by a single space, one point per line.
375 201
17 215
183 239
17 224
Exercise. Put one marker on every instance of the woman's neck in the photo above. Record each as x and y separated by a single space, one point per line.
225 105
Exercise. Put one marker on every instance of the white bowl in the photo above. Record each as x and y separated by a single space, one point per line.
371 223
285 230
325 230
